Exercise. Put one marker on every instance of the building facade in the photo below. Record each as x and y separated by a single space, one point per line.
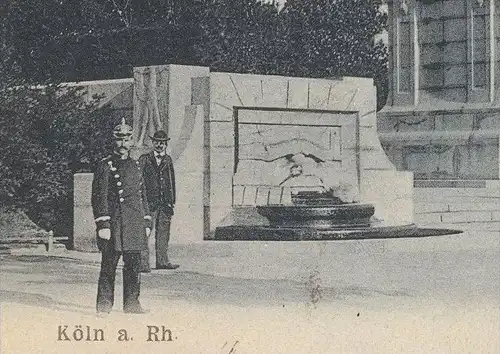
442 118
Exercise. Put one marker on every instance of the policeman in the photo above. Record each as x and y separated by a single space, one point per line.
123 223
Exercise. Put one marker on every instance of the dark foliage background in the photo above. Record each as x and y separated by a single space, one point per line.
48 134
71 40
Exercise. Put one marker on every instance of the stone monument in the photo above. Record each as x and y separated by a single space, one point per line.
261 130
242 141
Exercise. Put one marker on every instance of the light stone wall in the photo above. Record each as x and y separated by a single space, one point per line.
84 231
180 96
222 94
391 192
186 128
187 223
444 146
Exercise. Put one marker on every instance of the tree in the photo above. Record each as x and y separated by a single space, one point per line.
311 38
71 40
48 134
74 40
327 38
238 36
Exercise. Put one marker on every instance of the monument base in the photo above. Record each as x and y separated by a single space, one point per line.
268 233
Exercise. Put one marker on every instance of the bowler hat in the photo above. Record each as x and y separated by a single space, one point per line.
160 135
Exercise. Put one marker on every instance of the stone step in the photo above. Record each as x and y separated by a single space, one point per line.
437 198
457 205
448 206
436 183
433 193
492 226
457 217
484 240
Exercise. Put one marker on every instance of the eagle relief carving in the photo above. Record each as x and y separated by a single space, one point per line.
308 172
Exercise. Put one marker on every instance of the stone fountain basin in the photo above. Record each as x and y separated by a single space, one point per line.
333 216
320 217
269 233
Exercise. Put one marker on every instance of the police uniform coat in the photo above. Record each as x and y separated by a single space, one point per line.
119 202
159 181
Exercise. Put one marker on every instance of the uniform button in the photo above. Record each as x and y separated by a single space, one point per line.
161 179
117 176
121 200
120 191
119 184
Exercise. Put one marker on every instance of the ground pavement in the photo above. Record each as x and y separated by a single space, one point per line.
428 295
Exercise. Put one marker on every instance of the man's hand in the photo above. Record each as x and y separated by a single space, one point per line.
148 231
105 234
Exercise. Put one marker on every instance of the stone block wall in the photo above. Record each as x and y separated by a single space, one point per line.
225 95
442 115
443 145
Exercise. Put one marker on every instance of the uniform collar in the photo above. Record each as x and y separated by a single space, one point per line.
118 157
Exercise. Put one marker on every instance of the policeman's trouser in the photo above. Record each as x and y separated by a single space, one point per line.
131 278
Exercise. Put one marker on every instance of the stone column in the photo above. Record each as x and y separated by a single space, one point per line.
150 105
161 93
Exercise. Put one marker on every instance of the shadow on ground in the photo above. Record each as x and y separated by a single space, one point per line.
50 273
43 301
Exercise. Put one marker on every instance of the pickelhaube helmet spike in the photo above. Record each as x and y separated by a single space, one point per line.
122 130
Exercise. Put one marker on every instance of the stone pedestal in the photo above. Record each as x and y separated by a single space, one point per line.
84 229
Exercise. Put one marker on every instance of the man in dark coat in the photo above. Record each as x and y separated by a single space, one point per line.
123 223
159 179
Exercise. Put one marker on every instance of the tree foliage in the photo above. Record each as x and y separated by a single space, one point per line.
310 38
48 135
326 38
71 40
